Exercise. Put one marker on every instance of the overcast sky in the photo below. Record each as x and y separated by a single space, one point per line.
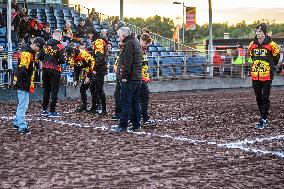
231 11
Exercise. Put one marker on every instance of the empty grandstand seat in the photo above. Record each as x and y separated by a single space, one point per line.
152 71
164 54
2 39
154 54
177 60
160 49
2 32
169 49
195 65
180 53
152 49
173 53
157 44
40 11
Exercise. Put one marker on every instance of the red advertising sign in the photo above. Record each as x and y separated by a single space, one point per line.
190 18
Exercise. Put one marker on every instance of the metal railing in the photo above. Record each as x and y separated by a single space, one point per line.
185 66
166 42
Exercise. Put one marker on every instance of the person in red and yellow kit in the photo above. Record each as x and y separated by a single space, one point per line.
145 40
100 53
265 55
24 80
83 64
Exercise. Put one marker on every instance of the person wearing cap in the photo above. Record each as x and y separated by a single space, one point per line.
52 57
265 55
82 62
24 81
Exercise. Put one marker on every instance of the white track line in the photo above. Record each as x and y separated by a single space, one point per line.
252 141
254 150
233 145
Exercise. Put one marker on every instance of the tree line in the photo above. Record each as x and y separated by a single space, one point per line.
165 27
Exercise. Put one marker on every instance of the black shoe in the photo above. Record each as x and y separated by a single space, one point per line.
114 118
24 131
263 123
81 109
134 129
118 129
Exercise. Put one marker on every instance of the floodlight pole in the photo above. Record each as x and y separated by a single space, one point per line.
210 45
183 24
9 33
121 10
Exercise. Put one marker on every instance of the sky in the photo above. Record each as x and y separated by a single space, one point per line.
231 11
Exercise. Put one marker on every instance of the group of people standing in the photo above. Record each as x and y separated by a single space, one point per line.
131 93
89 70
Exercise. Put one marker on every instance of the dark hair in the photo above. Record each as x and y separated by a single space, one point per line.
262 27
146 37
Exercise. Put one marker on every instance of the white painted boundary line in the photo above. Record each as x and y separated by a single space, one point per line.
253 150
233 145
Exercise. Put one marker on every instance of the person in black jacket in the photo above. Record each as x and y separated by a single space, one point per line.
24 80
130 78
46 32
100 70
265 55
52 57
24 29
83 64
81 29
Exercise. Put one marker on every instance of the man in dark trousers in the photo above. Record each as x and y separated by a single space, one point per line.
100 70
130 78
83 64
52 57
265 56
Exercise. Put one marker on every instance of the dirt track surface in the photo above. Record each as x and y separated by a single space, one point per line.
187 149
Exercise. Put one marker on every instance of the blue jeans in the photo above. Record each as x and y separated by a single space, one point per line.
130 91
24 98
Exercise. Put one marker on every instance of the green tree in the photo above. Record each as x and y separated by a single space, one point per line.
156 24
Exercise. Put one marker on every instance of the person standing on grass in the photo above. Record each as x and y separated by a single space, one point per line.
265 55
24 81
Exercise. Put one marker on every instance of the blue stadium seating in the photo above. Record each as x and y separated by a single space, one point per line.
165 54
152 49
195 65
173 53
155 54
169 49
161 49
2 32
157 44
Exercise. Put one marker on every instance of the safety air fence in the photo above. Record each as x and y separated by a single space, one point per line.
161 66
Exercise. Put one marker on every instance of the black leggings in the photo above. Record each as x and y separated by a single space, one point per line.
262 92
